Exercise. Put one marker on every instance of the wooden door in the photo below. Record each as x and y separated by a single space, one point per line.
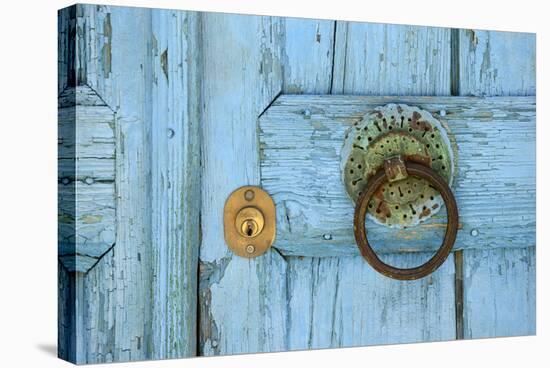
181 106
304 294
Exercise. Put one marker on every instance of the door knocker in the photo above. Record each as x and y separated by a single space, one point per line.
397 166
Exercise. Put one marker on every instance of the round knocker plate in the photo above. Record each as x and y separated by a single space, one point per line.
396 169
413 133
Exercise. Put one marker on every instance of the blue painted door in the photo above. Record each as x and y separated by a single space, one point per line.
174 110
314 290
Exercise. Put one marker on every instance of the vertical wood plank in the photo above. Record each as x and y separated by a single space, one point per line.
499 294
311 282
116 292
242 301
342 300
497 63
308 53
499 285
381 310
386 59
312 291
66 20
66 301
65 311
382 59
175 184
116 316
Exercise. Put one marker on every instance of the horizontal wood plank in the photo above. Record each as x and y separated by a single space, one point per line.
301 138
86 175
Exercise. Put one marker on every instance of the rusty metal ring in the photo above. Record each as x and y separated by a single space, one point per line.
437 260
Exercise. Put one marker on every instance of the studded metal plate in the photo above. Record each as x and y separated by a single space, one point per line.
391 130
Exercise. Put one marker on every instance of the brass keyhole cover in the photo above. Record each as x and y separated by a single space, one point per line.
249 221
414 134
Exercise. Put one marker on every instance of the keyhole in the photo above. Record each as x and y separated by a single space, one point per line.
249 228
249 222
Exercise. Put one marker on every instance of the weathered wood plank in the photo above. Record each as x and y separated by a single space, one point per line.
117 291
499 285
308 53
86 188
494 187
66 338
387 59
66 300
89 60
120 318
242 301
126 307
350 304
111 320
497 63
66 19
499 292
341 301
175 185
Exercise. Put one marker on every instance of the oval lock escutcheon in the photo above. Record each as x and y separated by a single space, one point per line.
249 221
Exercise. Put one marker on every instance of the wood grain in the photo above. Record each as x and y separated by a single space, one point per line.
497 63
175 185
307 54
344 302
495 187
499 292
388 59
499 284
185 132
114 297
139 301
340 301
86 171
242 301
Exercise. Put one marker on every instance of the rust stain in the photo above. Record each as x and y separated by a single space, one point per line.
382 211
395 168
424 160
425 212
417 124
